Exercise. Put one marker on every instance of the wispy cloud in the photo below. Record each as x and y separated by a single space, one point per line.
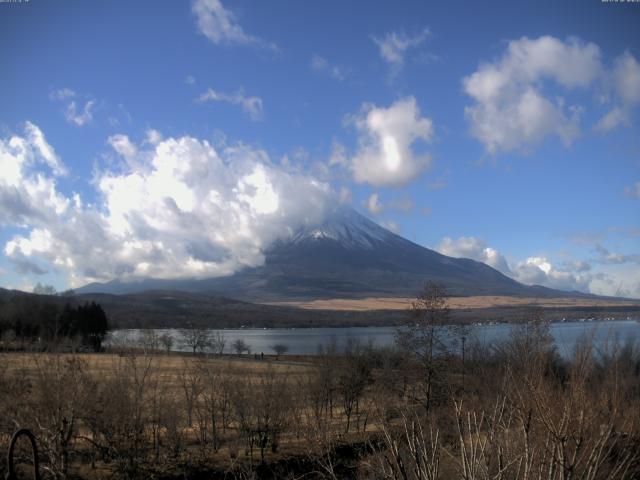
321 65
81 117
373 204
393 46
614 258
62 94
220 26
75 112
633 190
624 82
251 105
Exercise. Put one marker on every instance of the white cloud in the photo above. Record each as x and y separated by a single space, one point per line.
385 154
190 80
373 204
476 249
614 258
251 105
72 113
338 155
79 118
624 81
613 118
27 192
511 111
219 25
634 190
394 45
534 270
62 94
153 137
180 208
322 65
391 226
122 145
579 266
540 271
345 196
626 74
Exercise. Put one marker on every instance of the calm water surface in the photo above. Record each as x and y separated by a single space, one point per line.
306 341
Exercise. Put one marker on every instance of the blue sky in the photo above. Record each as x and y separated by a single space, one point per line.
502 131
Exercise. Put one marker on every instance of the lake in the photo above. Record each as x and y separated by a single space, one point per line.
305 341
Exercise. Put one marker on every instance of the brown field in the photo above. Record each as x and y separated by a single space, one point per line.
455 303
168 367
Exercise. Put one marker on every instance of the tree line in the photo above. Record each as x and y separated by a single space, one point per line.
43 321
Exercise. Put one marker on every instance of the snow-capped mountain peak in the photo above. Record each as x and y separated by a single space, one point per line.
347 227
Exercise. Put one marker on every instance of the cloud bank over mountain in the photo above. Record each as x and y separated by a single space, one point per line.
176 208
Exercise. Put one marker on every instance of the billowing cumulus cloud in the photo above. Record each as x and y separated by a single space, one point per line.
519 98
249 104
476 249
535 270
177 208
540 271
29 167
386 154
511 109
219 25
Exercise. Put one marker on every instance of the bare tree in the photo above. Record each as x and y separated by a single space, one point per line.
354 376
423 335
240 346
197 339
218 343
279 349
191 383
121 412
61 391
149 340
262 411
213 400
166 340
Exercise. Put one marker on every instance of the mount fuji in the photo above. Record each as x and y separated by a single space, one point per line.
346 256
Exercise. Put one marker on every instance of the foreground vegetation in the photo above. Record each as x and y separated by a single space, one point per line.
513 410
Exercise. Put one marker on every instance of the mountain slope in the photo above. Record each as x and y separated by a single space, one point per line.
347 256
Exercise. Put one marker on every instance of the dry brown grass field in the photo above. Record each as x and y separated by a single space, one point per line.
168 366
474 302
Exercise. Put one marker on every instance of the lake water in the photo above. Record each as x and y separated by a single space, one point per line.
305 341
